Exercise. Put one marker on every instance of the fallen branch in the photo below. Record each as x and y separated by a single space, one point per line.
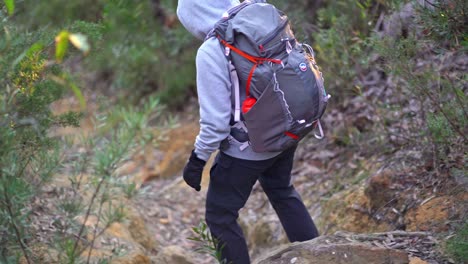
379 236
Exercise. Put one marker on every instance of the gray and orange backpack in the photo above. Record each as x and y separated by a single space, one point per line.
285 94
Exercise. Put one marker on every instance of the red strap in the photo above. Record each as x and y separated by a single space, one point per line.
291 135
249 80
255 60
249 57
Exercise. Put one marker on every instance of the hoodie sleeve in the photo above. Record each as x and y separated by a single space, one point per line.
214 96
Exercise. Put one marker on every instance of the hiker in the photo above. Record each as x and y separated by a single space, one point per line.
237 166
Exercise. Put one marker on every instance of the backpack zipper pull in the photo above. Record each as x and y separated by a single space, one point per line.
262 48
288 45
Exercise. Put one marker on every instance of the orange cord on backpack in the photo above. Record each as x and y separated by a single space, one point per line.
248 104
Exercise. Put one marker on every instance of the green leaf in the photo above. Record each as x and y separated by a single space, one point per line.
80 41
36 47
460 94
61 45
78 95
10 5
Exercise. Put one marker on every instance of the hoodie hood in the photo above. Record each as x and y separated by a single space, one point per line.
200 16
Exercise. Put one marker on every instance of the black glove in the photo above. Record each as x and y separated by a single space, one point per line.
193 171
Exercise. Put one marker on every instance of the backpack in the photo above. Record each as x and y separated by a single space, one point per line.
285 94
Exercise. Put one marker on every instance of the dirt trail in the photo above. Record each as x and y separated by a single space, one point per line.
322 170
170 208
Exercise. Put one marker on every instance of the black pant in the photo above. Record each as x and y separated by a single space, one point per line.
231 183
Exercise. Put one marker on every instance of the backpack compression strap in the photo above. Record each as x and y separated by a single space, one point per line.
235 82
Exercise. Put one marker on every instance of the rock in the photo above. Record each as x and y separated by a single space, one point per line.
134 230
140 233
41 254
377 190
261 234
174 255
130 236
265 234
175 151
415 260
325 250
120 231
399 23
132 259
244 224
349 210
432 215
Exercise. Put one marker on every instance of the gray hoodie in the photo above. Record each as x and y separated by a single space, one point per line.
213 82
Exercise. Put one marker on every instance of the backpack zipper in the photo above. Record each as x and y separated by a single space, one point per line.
273 34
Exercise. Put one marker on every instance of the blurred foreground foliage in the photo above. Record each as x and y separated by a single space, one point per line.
139 48
31 157
33 77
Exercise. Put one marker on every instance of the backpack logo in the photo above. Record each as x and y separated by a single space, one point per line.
303 67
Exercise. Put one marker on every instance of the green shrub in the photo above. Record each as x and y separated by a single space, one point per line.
207 243
145 55
445 21
28 156
341 43
457 246
31 79
56 13
138 46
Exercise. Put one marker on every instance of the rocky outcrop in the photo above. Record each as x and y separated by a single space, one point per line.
417 261
128 242
331 249
433 214
165 161
174 255
132 259
384 202
350 211
263 235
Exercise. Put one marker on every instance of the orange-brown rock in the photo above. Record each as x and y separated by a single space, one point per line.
432 215
174 255
132 259
378 190
119 230
263 235
41 254
416 260
349 211
140 233
175 151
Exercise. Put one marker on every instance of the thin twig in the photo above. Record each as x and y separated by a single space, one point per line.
96 192
12 216
15 227
459 100
88 212
91 246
